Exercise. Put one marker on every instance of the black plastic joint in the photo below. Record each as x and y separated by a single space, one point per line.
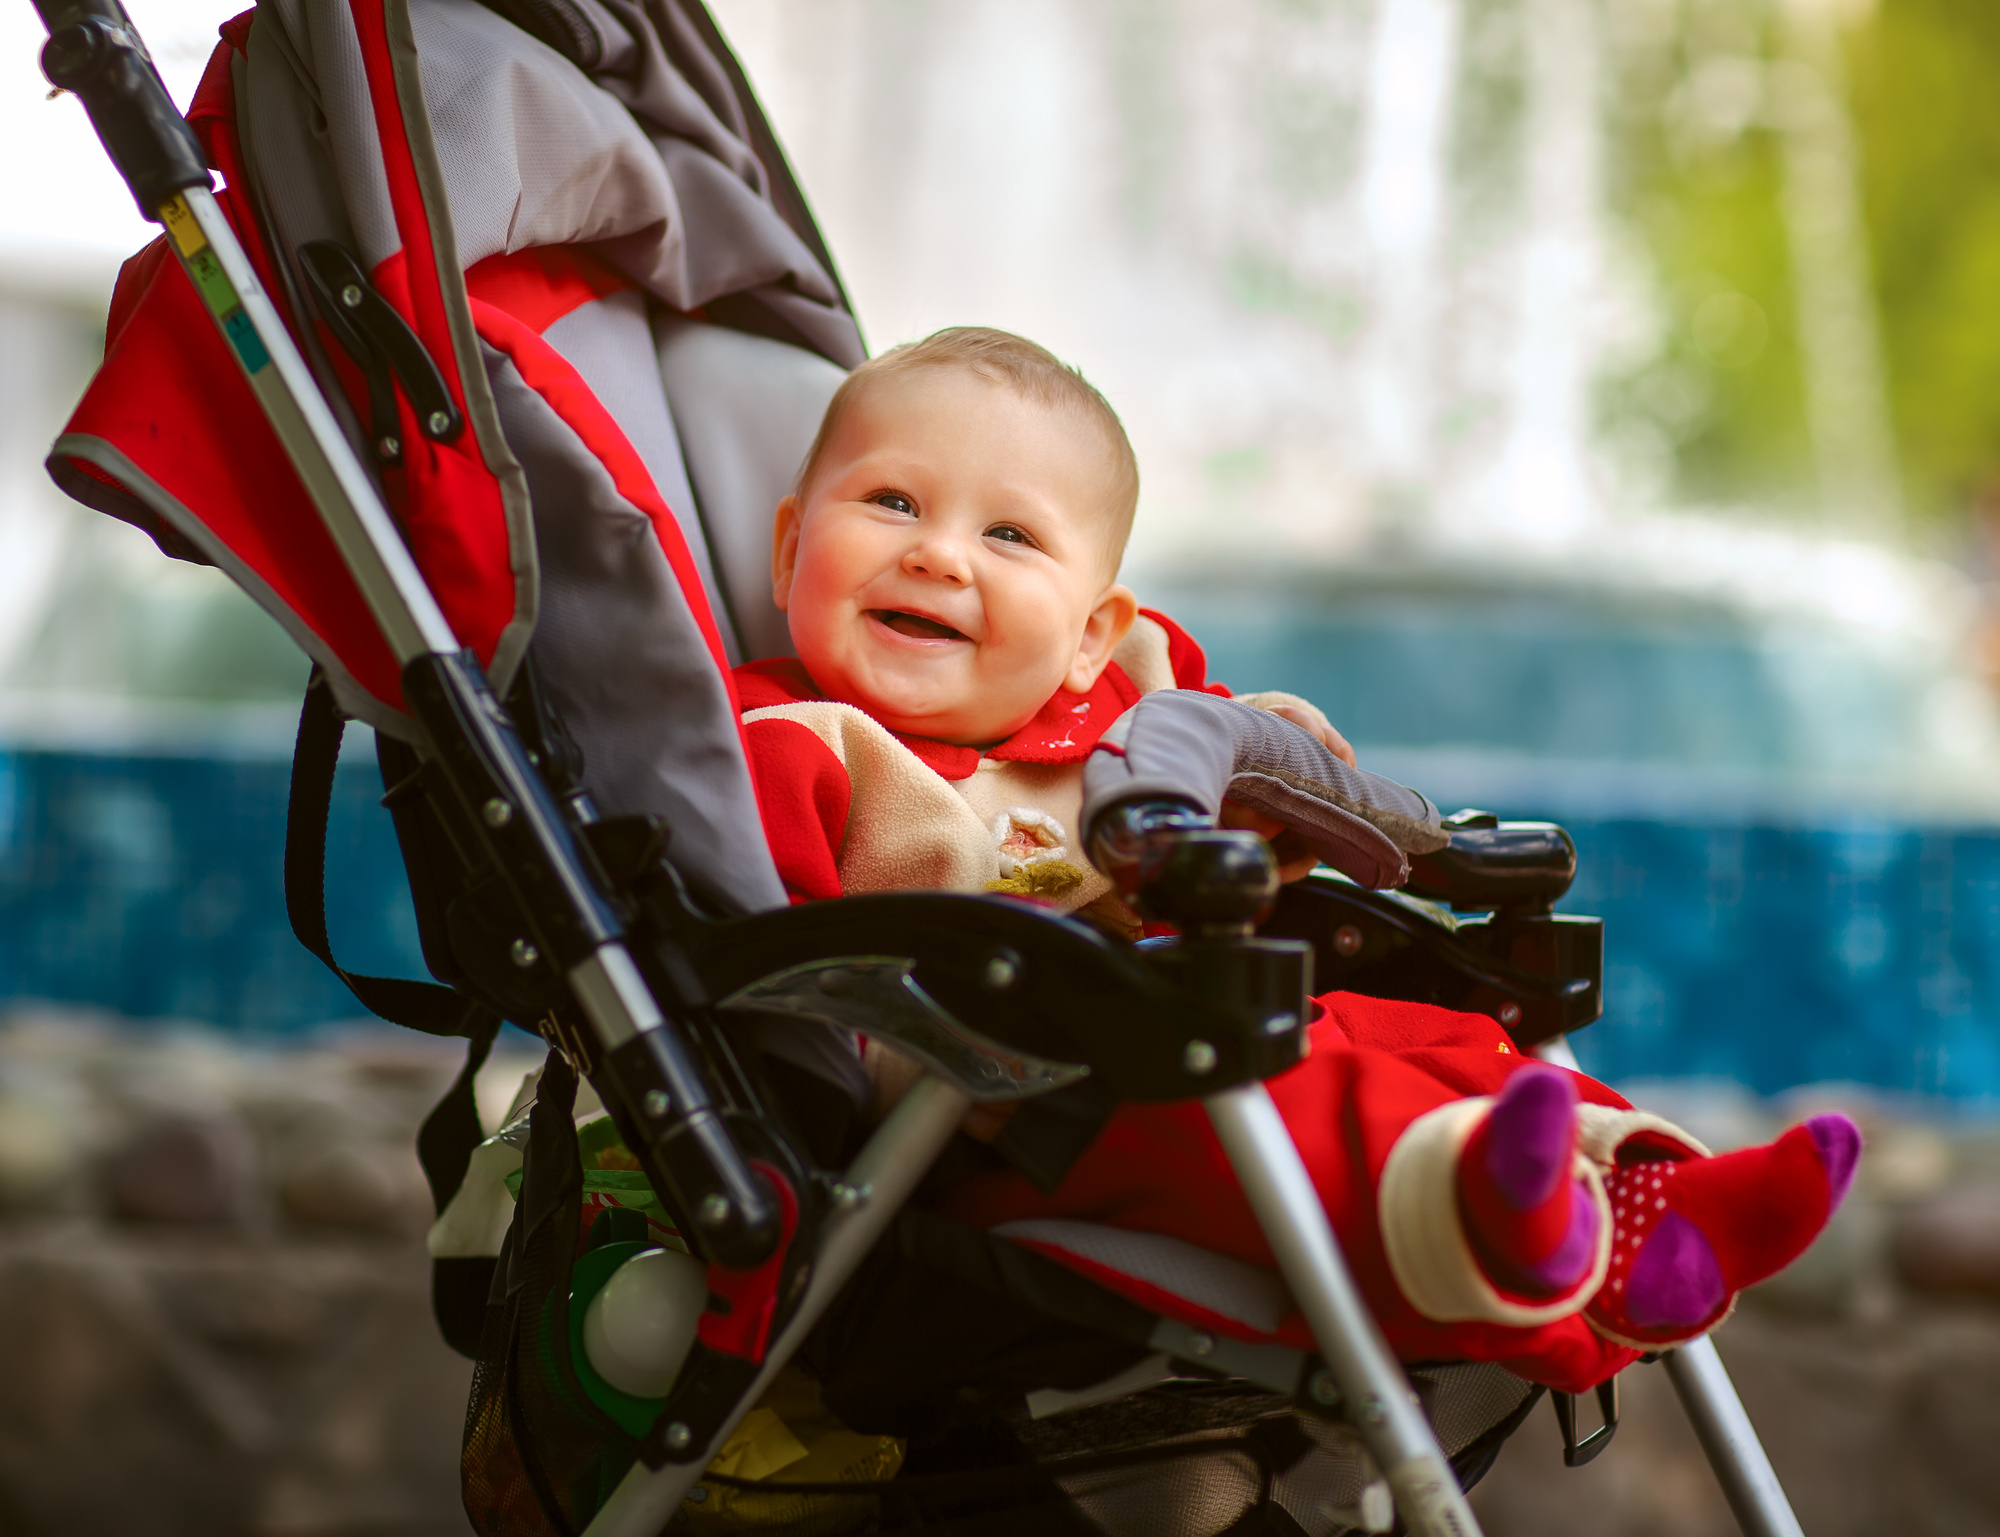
94 52
506 805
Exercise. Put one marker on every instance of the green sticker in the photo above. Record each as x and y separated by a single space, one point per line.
244 338
217 292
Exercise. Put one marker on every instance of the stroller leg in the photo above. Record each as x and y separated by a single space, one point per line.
1729 1439
895 1159
1709 1397
1379 1402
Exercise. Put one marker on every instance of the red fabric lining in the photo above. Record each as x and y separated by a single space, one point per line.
452 508
171 397
542 284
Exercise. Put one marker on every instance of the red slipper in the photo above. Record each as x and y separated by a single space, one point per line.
1532 1224
1688 1236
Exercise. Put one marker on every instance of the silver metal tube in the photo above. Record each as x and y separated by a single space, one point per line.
1720 1422
889 1168
1748 1481
343 492
615 997
1377 1395
1557 1051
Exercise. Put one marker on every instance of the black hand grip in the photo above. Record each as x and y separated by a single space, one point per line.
1166 858
1518 867
94 52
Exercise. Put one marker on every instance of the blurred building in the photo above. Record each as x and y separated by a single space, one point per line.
1400 361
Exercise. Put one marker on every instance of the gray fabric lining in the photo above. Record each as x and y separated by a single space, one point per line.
626 664
608 342
326 69
1255 1298
355 700
747 408
637 163
1206 749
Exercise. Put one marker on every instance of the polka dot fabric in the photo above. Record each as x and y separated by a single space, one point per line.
1638 1301
1688 1235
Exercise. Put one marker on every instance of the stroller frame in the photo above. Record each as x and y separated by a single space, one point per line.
1246 995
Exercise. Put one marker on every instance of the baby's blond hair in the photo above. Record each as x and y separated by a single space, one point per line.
1031 371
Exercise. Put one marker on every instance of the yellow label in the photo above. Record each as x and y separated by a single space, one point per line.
180 222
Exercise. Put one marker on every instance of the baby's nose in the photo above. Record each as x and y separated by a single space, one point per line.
941 559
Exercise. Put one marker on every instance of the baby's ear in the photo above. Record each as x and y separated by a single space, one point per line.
1103 632
784 550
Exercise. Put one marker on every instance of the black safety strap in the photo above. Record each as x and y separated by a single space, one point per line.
451 1131
424 1006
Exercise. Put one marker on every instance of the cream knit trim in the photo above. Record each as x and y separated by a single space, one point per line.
1430 1255
910 829
1601 1130
1143 655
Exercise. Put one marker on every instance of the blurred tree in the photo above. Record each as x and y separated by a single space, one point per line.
1696 177
1698 182
1921 75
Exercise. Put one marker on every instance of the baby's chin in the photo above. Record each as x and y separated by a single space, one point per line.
965 718
940 696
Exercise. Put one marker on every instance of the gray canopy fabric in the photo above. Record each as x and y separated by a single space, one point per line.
627 128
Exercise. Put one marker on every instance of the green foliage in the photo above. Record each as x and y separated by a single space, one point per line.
1922 81
1695 174
1696 177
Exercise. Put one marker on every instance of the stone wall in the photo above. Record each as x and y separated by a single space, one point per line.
214 1311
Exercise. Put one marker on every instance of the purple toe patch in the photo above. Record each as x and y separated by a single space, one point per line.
1574 1255
1839 1142
1676 1282
1528 1135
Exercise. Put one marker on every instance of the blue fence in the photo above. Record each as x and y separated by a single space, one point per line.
154 886
1781 955
1774 955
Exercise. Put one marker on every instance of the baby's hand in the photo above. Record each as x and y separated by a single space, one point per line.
1295 860
1319 727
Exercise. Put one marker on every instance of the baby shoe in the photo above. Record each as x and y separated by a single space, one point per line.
1687 1236
1532 1223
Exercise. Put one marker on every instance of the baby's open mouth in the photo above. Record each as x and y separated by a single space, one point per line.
916 626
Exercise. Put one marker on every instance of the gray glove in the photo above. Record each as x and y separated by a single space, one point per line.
1178 744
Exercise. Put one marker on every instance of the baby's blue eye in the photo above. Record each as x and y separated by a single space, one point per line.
895 501
1009 533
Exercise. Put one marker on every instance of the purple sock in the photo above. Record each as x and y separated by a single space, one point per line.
1573 1256
1839 1142
1528 1140
1676 1281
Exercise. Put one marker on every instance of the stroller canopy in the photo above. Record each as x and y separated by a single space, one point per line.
577 214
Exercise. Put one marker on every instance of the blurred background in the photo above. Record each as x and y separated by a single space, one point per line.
1593 404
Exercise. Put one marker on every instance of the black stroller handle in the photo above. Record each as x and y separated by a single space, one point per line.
94 51
643 1064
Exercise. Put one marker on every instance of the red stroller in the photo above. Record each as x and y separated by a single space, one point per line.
482 374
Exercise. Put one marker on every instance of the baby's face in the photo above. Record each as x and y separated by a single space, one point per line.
949 567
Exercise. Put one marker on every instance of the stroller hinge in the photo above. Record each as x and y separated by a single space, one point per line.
383 347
